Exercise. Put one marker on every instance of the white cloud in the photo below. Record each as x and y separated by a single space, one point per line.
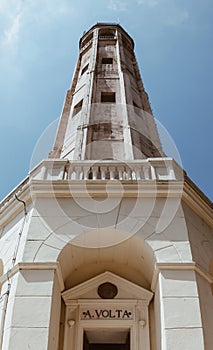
117 5
10 17
8 7
15 15
11 35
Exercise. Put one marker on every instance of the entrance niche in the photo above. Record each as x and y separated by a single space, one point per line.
106 312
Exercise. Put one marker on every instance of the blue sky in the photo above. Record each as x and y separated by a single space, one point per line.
38 52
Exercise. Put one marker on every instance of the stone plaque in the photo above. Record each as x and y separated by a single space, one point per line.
107 313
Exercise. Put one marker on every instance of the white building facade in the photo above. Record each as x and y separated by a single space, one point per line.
107 244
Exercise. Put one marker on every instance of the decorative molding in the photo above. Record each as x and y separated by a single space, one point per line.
34 266
97 188
197 201
87 286
34 187
10 208
187 266
71 323
142 323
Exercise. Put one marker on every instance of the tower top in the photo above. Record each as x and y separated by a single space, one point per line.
107 115
102 25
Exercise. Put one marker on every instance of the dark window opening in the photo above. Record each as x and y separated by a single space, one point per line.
77 107
103 339
107 33
85 69
108 97
107 60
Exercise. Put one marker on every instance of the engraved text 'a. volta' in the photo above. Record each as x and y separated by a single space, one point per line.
118 314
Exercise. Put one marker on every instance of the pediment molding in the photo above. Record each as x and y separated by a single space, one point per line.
129 288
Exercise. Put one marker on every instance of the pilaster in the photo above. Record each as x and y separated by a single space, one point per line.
177 309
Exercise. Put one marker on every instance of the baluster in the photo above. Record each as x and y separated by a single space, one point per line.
153 173
129 173
112 173
66 171
133 173
103 170
70 172
146 169
78 172
94 172
120 173
138 173
86 172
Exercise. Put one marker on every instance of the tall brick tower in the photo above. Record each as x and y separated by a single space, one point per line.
107 244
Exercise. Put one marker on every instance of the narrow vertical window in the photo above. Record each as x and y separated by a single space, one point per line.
77 108
85 69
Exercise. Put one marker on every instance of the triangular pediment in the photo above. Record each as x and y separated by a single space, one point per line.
89 289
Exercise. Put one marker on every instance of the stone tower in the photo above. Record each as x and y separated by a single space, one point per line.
107 244
107 114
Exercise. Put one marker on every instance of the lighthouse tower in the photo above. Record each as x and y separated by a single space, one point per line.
107 244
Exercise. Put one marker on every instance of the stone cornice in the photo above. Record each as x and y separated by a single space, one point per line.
196 189
176 266
179 266
100 188
10 207
197 200
32 189
34 266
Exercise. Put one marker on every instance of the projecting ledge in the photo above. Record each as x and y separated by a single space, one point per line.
102 189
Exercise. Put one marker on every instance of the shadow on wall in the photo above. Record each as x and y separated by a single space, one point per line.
132 259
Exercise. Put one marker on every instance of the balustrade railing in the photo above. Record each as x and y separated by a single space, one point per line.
147 169
107 37
150 169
